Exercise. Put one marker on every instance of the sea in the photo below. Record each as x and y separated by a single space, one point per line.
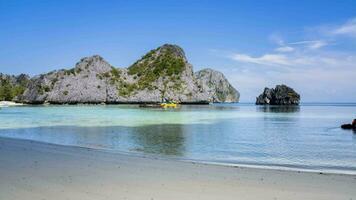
306 137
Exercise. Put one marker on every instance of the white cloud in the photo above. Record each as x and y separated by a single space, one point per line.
300 60
267 59
291 60
317 44
284 49
311 44
349 28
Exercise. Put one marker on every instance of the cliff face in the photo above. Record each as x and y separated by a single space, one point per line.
280 95
162 73
80 84
216 86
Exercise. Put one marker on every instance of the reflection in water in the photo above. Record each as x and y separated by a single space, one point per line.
162 139
166 139
278 109
93 137
211 107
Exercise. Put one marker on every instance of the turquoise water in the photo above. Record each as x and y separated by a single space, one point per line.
304 137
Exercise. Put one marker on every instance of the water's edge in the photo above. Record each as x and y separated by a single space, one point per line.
296 169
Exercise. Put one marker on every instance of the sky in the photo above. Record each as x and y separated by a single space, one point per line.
308 45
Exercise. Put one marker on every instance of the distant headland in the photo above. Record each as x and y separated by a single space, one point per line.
162 73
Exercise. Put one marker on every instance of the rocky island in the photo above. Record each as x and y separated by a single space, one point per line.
162 73
280 95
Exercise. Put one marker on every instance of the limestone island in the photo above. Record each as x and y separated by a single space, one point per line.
163 73
280 95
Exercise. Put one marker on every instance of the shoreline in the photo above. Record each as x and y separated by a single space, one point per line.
33 170
10 103
196 161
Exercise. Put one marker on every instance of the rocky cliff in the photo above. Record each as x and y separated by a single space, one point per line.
216 86
161 73
280 95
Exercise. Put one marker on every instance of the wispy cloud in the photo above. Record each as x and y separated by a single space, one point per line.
348 28
311 44
284 49
267 59
318 44
299 60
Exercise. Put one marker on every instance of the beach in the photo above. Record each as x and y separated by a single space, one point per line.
32 170
177 100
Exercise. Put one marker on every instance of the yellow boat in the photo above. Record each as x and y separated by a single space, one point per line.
168 105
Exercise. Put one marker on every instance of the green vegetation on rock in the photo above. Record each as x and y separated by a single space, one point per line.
54 81
8 90
126 89
70 71
115 72
155 64
115 75
40 89
46 88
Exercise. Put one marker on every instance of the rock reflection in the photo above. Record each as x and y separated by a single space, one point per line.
166 139
216 106
278 109
154 139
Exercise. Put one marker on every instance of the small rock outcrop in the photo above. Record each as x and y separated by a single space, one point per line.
162 73
216 86
280 95
349 126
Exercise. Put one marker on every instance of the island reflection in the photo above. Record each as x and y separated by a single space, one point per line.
166 139
278 109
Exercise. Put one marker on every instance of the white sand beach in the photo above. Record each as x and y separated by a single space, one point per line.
9 103
31 170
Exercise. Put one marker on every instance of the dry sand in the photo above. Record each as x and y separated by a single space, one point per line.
30 170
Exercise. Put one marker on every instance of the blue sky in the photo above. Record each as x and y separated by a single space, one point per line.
309 45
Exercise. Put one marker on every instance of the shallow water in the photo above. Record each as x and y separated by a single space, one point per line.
303 137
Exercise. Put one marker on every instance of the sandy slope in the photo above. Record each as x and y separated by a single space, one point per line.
30 170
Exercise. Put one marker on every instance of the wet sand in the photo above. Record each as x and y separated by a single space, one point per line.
31 170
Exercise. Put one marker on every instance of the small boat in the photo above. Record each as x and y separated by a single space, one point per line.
169 105
165 104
